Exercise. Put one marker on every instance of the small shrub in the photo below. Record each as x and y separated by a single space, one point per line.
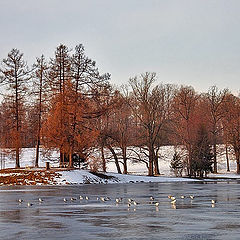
94 164
176 164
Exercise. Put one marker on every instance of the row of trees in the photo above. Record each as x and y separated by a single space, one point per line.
54 103
158 115
150 116
65 103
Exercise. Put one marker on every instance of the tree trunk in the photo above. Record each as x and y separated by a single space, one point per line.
39 115
189 163
214 153
237 155
70 164
238 166
226 150
156 165
17 157
103 160
124 152
17 126
61 158
37 152
151 159
115 158
38 137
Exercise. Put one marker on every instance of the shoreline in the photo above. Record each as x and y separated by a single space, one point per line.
63 176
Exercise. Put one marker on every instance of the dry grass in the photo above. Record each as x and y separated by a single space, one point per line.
28 176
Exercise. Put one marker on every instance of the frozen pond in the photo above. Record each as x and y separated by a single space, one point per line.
94 219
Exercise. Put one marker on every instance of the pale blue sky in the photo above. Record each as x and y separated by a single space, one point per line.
191 42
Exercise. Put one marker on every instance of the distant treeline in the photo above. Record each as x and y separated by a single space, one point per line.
65 103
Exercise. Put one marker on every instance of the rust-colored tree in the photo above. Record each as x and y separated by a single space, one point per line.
14 78
117 130
76 86
41 92
215 100
88 84
7 125
184 105
231 124
59 75
75 132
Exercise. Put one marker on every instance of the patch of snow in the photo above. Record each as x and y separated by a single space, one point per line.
225 175
83 176
10 174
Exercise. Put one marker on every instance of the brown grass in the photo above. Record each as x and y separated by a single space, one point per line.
28 176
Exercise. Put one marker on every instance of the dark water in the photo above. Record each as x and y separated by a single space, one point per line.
92 219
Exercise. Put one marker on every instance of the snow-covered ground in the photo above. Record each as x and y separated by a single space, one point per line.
165 156
27 158
137 170
83 176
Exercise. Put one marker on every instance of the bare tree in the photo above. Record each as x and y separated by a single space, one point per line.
120 129
40 90
215 99
108 137
184 106
150 105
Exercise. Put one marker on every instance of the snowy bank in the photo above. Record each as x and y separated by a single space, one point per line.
85 177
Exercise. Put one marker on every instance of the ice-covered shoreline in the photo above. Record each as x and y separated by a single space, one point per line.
40 176
86 177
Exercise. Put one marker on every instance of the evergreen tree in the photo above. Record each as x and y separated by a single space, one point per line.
176 164
202 153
